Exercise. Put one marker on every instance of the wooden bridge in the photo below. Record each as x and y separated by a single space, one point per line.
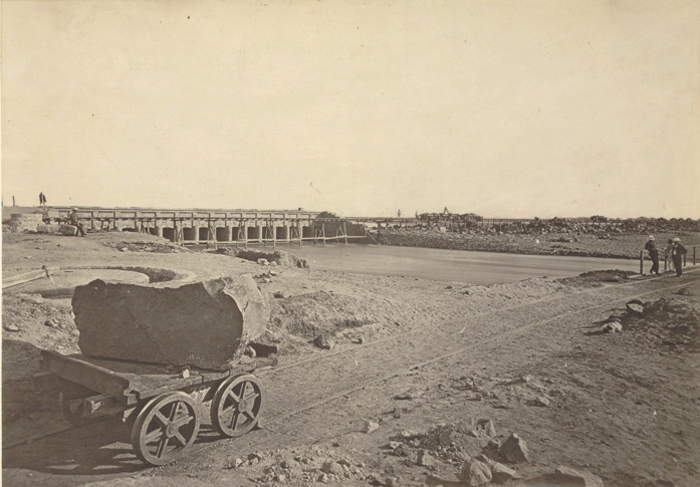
218 226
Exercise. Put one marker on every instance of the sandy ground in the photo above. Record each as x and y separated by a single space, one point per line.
433 360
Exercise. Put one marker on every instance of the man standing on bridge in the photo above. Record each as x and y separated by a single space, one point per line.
653 251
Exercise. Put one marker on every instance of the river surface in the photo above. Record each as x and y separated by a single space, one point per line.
451 265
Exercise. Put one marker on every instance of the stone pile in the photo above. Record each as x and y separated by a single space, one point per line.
25 222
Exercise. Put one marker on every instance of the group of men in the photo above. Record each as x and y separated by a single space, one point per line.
674 250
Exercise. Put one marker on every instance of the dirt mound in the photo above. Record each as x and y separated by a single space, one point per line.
307 316
140 242
31 323
670 323
597 277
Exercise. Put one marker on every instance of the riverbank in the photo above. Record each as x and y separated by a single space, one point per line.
619 246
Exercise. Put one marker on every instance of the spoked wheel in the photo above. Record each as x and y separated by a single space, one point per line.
236 407
165 428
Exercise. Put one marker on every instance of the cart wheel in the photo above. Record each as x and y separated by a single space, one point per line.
236 407
164 428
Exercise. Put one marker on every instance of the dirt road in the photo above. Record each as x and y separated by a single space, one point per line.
618 408
453 265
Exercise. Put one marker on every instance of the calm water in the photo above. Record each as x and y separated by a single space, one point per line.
451 265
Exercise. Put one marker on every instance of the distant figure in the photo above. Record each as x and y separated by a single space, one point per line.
73 220
42 199
677 253
398 213
653 252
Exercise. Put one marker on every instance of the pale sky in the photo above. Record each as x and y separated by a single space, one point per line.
504 108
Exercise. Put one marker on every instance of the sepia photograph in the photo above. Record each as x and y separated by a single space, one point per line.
270 243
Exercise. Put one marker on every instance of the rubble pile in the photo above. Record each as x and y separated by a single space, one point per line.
276 257
313 466
672 323
599 225
25 222
205 324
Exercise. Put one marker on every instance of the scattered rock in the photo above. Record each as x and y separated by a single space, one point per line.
393 445
502 474
611 327
475 473
332 467
323 478
407 396
358 340
235 463
569 476
425 459
370 427
514 449
279 295
635 306
484 428
262 261
324 341
541 401
408 434
11 327
392 481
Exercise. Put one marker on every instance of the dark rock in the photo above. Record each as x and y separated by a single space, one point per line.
11 327
514 449
324 341
264 350
205 324
51 323
332 467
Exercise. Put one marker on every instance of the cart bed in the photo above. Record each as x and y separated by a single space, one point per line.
127 382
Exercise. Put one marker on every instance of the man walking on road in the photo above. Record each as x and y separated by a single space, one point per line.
677 253
653 251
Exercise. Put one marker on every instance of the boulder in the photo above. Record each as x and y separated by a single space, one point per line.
502 474
514 449
204 324
70 230
475 473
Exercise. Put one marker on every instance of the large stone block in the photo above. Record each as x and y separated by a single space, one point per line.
205 324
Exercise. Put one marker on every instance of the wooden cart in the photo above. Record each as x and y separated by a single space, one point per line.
163 410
